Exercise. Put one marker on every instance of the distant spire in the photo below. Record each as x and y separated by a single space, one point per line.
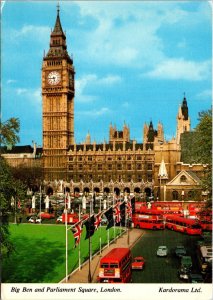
58 8
184 108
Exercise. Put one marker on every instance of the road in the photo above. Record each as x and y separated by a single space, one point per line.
162 269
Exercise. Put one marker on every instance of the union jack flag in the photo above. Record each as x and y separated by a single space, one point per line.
77 231
19 204
97 220
129 208
117 214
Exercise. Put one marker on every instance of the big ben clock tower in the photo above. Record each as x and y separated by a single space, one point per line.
58 104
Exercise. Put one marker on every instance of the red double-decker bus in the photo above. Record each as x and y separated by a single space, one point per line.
148 221
186 225
160 211
206 224
115 266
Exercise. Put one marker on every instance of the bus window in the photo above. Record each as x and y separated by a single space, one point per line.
104 265
112 265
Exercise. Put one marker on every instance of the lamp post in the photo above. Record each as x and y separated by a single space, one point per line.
15 204
40 203
89 271
128 232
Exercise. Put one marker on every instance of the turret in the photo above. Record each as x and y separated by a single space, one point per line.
183 120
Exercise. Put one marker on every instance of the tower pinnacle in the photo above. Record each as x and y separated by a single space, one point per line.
58 8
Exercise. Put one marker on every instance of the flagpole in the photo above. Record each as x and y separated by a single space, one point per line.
15 209
91 208
40 203
79 245
100 228
113 208
128 231
89 272
66 244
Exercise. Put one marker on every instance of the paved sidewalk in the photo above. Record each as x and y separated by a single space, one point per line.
81 276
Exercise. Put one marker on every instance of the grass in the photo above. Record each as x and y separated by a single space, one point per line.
41 251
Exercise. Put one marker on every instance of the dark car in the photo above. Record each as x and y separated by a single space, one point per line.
104 220
180 251
195 278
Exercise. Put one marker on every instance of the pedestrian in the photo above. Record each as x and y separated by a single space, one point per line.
94 201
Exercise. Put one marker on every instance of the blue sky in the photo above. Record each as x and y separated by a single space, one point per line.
133 63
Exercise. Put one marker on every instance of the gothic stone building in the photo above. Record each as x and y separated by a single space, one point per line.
121 164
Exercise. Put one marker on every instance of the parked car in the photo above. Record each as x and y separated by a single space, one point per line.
195 278
184 273
180 251
59 219
186 266
186 262
34 220
138 263
162 251
45 215
104 220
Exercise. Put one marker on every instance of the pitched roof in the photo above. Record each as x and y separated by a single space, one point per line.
17 149
191 178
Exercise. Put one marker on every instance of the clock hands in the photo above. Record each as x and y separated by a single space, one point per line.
54 78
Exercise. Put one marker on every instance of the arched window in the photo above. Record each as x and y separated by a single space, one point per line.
126 190
174 195
97 190
49 190
137 190
106 190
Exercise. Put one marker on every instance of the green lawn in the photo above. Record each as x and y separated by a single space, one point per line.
40 252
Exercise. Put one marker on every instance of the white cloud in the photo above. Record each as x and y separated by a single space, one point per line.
40 33
9 81
127 33
31 95
125 104
95 113
181 69
92 80
206 94
21 91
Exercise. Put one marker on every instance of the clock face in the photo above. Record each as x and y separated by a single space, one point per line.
54 78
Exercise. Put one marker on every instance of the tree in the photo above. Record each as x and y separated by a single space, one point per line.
188 153
30 176
203 147
9 132
196 147
203 141
9 187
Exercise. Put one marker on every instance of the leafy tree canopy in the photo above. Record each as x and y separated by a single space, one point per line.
196 147
9 132
9 187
